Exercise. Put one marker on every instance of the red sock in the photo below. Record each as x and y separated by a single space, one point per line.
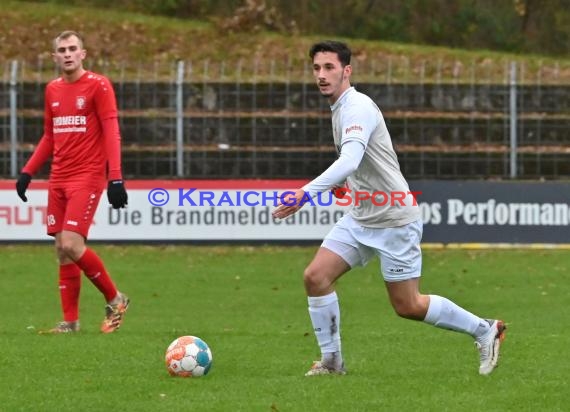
69 287
94 269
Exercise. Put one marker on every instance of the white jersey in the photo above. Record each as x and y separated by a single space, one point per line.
355 117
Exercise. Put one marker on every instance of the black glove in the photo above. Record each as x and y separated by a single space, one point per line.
117 194
22 185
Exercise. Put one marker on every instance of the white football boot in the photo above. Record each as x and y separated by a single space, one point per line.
489 345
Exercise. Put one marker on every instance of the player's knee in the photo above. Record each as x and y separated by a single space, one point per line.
64 249
313 279
67 248
408 309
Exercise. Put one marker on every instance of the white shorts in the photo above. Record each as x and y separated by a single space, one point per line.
397 247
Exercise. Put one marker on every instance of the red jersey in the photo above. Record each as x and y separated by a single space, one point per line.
80 132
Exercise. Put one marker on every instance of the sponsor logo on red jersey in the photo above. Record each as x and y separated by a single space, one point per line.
80 102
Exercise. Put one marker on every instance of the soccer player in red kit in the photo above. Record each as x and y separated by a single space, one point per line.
81 136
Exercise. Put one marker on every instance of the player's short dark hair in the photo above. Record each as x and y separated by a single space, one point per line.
341 49
66 35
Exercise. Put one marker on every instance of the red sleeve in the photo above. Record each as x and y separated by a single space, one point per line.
44 150
42 153
106 106
112 142
105 101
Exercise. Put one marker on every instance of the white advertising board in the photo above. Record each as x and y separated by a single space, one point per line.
453 212
178 211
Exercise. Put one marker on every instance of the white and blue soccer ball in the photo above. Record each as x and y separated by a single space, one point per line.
188 356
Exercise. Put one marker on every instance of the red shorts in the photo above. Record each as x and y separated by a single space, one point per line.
71 209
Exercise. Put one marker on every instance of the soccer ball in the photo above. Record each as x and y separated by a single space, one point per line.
188 356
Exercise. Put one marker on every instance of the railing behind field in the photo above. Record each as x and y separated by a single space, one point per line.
269 120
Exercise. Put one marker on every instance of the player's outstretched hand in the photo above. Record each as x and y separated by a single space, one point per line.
22 185
117 194
289 204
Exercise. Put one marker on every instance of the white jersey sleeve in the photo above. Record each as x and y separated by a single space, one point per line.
357 123
350 157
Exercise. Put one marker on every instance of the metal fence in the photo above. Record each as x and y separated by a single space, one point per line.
269 121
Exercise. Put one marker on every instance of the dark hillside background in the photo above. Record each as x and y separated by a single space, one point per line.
240 74
522 26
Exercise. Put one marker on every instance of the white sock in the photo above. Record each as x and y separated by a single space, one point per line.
445 314
325 316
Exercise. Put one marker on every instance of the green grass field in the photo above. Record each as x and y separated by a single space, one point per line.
249 305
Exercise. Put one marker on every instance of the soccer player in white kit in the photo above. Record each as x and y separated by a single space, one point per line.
392 230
